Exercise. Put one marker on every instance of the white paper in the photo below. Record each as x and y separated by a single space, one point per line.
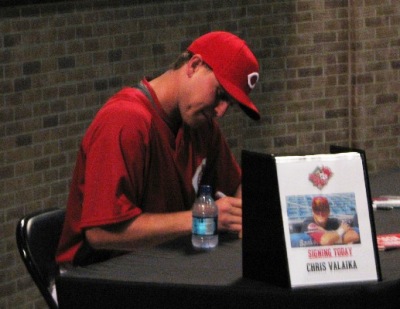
340 179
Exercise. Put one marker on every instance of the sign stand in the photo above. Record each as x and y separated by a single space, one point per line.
307 220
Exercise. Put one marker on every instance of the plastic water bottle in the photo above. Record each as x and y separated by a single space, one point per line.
205 220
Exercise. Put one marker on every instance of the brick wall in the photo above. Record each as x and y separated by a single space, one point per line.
375 52
329 75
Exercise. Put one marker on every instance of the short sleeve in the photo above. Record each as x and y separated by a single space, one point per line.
115 162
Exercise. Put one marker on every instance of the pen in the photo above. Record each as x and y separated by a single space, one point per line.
219 194
383 207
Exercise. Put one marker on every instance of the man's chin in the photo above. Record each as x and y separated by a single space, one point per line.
198 121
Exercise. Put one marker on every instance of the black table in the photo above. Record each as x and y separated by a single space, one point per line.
175 276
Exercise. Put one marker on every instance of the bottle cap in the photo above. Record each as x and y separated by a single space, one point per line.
205 189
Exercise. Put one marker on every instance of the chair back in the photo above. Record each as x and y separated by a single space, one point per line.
37 240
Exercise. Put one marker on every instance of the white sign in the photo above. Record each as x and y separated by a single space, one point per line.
326 219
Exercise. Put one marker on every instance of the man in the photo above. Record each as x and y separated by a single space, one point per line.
327 231
150 147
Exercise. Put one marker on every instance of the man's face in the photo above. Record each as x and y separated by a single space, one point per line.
203 97
321 214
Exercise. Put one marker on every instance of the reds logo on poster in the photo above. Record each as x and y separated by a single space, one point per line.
320 176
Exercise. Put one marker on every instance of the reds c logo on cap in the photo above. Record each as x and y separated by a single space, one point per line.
252 79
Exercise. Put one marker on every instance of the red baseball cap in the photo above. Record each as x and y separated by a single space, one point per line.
234 66
320 203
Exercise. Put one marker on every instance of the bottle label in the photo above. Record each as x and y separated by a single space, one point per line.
205 226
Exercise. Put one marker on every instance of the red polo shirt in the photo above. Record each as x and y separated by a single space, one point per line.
130 161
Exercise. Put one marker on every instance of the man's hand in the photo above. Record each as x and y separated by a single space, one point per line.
229 214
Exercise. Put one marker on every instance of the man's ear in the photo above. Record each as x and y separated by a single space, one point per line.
193 64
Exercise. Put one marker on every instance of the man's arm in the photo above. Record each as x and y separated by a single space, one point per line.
147 229
344 233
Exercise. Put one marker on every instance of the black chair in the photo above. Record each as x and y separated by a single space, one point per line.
37 239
